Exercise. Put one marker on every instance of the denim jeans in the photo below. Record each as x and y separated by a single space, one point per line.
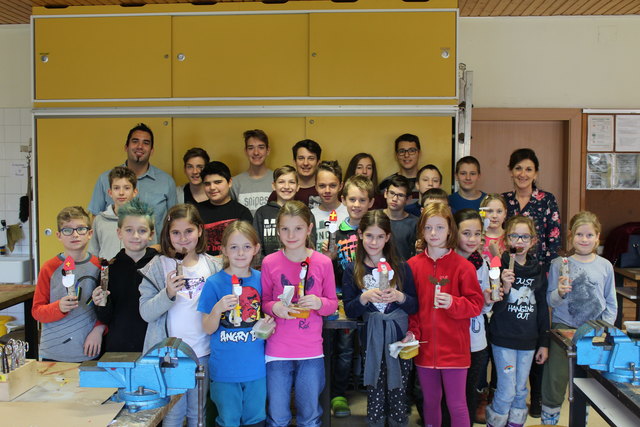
342 361
187 406
512 368
240 404
307 379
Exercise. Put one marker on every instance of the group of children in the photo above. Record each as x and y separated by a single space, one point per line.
435 271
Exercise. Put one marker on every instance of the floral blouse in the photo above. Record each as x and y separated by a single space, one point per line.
543 209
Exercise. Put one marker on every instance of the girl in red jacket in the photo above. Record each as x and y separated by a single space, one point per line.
448 296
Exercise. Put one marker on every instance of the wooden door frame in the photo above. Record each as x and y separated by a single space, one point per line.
575 191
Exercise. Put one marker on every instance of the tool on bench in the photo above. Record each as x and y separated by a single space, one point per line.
148 381
617 356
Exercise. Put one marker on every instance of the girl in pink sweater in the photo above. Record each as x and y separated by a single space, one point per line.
294 352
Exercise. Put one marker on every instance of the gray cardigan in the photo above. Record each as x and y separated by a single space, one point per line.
154 301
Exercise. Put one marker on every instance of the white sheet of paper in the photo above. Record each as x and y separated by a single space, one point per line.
628 132
600 133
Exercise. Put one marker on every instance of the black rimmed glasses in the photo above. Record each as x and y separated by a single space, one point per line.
526 238
68 231
407 151
393 195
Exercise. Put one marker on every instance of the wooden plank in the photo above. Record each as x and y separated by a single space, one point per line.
11 294
16 382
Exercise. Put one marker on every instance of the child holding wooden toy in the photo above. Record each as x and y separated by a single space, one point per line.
70 332
378 286
581 288
170 289
519 324
294 353
118 307
230 303
448 296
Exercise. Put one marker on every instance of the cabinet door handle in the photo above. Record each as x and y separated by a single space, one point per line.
181 57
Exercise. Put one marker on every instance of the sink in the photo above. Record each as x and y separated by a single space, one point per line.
15 269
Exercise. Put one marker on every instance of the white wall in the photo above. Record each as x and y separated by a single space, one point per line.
575 62
15 90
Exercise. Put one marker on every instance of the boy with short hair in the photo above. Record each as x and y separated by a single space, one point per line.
407 149
252 187
121 313
403 224
329 187
358 197
220 210
70 332
122 189
429 176
468 194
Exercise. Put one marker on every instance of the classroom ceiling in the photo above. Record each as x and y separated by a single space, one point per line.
19 11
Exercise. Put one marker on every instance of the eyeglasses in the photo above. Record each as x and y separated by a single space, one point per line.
526 238
407 151
68 231
393 195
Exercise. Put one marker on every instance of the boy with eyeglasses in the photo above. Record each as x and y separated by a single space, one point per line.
407 147
403 224
122 189
70 332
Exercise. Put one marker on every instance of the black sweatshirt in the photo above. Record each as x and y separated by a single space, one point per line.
521 320
122 313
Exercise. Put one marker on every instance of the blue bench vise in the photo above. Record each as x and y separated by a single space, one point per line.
145 382
617 356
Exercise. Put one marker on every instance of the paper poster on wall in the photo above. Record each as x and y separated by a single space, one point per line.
628 132
599 171
600 133
626 172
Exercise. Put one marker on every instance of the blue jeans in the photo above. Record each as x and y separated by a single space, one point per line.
307 379
187 406
512 367
241 403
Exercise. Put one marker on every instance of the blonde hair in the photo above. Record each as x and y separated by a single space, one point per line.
181 211
585 218
73 212
491 197
295 208
441 210
361 183
520 219
242 227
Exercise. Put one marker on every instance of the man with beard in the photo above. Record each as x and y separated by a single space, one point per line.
155 187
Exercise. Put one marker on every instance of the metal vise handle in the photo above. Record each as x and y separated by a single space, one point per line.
200 377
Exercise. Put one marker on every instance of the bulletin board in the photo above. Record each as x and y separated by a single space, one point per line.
611 160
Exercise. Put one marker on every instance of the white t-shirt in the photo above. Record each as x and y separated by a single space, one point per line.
183 319
322 223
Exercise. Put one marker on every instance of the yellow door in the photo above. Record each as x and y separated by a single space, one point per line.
72 153
102 57
222 139
383 54
248 55
343 137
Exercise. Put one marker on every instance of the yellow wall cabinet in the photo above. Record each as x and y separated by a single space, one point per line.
393 54
240 56
102 57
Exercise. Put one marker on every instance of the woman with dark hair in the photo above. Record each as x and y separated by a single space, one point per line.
364 164
528 200
195 159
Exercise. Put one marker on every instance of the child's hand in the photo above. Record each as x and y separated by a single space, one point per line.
541 355
443 300
409 337
226 303
281 311
93 342
67 303
174 284
372 295
494 248
487 296
564 286
325 250
310 301
507 277
391 295
268 319
97 295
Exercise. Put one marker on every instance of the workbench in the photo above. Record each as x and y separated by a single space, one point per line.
58 397
10 295
627 292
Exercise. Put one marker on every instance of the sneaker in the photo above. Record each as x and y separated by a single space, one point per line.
340 407
535 408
